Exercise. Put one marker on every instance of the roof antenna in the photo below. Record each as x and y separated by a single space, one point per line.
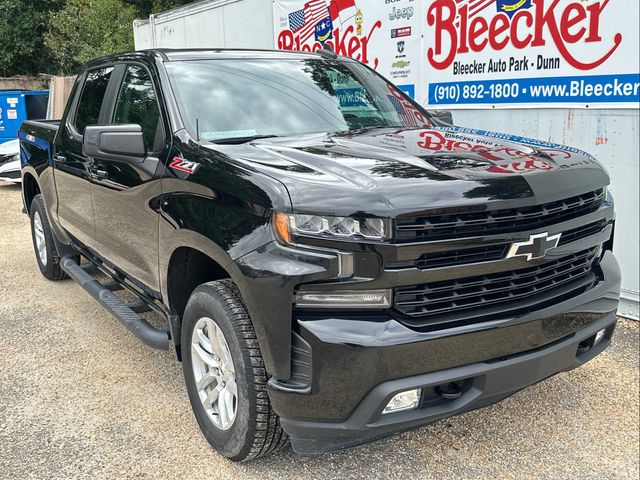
197 130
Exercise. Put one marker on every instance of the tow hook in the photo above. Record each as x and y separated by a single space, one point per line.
449 391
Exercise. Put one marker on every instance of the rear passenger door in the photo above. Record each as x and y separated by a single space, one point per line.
72 168
125 193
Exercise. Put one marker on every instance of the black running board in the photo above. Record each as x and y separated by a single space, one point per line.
148 334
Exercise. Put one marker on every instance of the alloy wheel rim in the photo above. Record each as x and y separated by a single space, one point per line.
214 373
41 244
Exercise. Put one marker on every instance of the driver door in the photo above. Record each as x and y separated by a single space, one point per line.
125 191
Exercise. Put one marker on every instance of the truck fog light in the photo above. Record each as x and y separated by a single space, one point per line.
343 299
403 401
599 336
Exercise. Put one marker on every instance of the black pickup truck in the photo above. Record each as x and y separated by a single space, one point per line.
333 262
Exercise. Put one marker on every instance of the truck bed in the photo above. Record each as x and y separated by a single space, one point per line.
41 129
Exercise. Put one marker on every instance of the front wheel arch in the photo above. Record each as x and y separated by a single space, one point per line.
188 268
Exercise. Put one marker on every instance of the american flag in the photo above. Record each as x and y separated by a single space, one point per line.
409 115
475 6
296 20
406 116
304 21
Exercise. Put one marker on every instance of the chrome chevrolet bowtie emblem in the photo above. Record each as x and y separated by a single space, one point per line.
536 247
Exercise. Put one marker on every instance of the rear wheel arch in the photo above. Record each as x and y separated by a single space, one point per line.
30 188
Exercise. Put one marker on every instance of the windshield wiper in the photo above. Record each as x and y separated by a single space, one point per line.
361 130
238 140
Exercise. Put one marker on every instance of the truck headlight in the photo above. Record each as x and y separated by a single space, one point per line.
287 224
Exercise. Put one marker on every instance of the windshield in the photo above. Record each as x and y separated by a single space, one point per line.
255 97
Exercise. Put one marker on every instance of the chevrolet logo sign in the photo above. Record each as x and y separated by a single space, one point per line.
536 247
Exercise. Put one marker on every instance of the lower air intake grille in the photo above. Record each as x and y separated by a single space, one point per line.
479 298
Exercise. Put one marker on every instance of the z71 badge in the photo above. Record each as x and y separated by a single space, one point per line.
184 165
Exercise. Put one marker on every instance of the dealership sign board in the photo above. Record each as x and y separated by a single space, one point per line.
481 53
385 36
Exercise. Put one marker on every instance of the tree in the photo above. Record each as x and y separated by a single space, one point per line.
87 29
145 7
22 25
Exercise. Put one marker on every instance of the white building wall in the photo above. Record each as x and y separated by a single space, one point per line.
209 24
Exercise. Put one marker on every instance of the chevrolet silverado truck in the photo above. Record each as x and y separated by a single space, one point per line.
331 262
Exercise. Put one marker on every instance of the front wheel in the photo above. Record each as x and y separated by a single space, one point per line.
225 375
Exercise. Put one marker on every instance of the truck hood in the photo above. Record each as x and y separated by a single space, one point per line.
391 172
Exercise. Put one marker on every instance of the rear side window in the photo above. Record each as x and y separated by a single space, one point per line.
137 104
95 85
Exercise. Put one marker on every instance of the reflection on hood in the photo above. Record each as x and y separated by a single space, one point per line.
391 169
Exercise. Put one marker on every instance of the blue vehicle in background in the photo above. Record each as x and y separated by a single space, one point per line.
16 106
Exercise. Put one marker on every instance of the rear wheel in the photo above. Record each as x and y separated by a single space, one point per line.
225 375
43 244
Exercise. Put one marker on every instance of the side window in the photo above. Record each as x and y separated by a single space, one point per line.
95 85
137 104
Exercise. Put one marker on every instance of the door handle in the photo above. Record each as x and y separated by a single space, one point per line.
59 158
100 173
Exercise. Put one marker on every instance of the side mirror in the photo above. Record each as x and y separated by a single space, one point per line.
123 142
444 116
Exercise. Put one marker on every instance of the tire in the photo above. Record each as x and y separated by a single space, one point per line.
47 258
255 430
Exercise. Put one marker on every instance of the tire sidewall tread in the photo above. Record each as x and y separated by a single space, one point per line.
52 269
256 430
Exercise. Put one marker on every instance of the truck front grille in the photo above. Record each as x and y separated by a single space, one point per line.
483 297
582 231
462 256
467 224
465 256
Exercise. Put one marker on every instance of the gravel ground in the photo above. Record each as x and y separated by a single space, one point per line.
81 398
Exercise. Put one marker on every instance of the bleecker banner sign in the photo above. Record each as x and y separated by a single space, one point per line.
383 34
532 52
481 53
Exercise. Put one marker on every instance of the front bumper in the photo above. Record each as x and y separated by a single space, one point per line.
358 365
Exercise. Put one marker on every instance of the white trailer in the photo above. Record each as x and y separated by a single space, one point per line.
211 24
612 135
